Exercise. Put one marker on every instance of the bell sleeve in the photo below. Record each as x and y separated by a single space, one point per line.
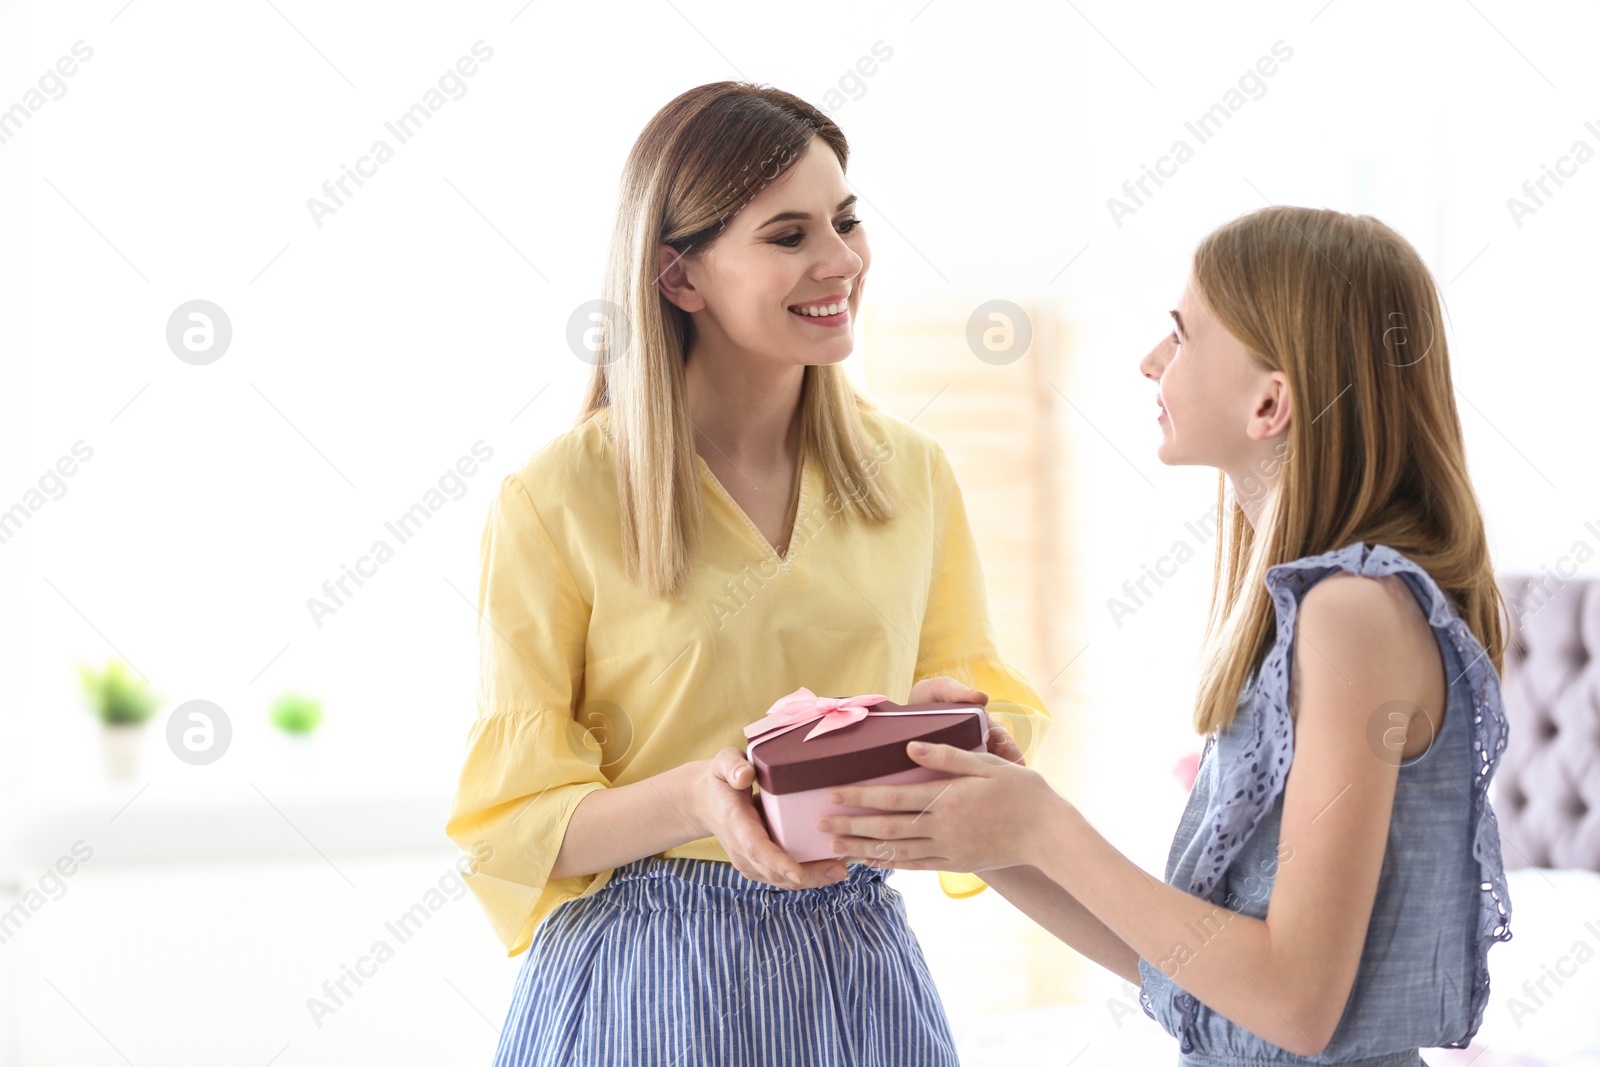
529 761
958 640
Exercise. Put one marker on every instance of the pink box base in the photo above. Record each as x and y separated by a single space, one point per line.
792 817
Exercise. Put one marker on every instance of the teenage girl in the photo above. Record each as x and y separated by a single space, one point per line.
1335 882
728 521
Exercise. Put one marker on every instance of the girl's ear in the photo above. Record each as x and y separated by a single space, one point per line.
1274 408
672 276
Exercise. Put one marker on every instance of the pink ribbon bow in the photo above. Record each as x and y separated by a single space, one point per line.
802 705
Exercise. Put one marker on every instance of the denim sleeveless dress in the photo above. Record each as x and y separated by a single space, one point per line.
1423 980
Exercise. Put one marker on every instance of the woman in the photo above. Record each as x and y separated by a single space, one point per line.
727 522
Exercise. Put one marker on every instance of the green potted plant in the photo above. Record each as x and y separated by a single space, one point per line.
123 704
296 717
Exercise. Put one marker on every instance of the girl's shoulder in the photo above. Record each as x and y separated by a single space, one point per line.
1289 583
1366 599
1373 608
1255 750
1379 620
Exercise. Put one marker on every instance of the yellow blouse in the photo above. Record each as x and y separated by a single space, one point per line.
585 683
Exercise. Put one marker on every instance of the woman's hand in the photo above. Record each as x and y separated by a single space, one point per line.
1002 745
722 806
987 817
944 688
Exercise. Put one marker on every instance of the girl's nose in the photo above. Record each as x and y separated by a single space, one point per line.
1154 364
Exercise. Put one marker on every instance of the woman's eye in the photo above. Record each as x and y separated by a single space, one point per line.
1175 339
793 240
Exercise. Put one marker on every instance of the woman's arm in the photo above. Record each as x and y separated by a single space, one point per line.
623 823
533 805
1363 649
706 798
1046 903
702 798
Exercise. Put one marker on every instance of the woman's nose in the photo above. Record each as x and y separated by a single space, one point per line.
841 261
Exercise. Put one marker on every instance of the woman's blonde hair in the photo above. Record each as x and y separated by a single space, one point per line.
697 163
1345 308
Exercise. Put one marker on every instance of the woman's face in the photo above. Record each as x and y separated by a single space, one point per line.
796 245
1212 391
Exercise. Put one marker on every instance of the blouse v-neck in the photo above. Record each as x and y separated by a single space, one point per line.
797 505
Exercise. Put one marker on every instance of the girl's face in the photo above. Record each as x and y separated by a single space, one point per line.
796 245
1217 405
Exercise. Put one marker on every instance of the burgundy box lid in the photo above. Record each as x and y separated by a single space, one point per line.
874 746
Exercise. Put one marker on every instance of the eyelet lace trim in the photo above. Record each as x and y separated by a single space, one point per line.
1248 788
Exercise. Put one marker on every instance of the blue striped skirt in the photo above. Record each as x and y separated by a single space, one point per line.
687 963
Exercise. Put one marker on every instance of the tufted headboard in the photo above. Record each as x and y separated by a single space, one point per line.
1546 793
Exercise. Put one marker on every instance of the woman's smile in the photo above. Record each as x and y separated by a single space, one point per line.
830 311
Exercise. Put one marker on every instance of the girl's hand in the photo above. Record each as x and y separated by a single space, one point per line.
722 806
986 818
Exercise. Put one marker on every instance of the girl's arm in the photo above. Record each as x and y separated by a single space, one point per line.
1046 903
1032 892
1363 651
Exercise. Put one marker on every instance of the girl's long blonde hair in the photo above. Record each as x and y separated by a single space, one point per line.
697 163
1345 308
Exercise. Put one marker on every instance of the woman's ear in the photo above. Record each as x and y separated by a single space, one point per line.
1274 408
672 276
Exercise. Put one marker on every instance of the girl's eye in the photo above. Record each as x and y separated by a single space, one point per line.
1177 342
845 226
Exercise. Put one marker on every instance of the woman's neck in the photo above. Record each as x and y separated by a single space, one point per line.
748 410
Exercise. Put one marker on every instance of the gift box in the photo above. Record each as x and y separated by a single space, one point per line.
807 745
